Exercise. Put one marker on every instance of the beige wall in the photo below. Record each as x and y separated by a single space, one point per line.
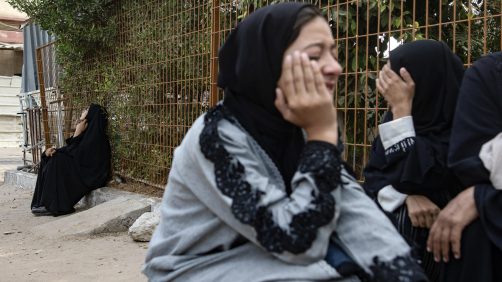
11 62
10 121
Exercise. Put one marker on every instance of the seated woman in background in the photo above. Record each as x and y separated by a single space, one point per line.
253 197
407 172
468 232
69 173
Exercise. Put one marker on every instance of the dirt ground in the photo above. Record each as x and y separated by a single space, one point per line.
26 256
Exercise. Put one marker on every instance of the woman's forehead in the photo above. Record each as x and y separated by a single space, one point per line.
314 32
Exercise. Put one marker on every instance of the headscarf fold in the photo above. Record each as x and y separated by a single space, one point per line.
250 64
479 119
93 152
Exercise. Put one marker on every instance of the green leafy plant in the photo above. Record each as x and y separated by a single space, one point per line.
82 27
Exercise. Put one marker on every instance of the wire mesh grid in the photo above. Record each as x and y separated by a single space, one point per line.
365 31
162 73
154 84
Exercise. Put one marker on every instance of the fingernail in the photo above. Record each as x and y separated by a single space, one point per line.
457 256
445 259
428 249
436 259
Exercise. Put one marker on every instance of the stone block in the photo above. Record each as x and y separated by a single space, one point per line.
116 215
143 227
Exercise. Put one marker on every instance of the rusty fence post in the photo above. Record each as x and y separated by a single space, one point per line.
41 82
215 44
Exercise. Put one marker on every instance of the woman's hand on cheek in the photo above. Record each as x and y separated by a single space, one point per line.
397 91
303 99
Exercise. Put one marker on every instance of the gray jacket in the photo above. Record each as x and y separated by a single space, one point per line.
201 236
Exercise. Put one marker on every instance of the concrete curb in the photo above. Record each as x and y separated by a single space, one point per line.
113 216
20 179
28 180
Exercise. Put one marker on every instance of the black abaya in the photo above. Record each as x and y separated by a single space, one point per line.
421 168
478 120
75 169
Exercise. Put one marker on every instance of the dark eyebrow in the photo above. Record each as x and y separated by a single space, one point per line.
320 45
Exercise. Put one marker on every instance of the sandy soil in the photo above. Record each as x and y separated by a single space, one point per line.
26 256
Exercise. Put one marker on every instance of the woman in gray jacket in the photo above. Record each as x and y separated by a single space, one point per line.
257 189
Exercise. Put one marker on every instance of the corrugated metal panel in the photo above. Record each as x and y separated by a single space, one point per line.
34 37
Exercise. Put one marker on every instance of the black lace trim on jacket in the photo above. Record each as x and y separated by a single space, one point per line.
399 149
318 158
400 269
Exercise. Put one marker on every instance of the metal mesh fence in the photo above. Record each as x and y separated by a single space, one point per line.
162 73
365 31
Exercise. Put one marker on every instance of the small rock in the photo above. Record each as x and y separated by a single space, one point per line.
8 232
142 229
118 179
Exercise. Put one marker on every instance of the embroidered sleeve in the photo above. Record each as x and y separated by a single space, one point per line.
394 131
397 136
401 268
281 223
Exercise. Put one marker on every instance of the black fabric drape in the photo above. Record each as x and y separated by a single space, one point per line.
480 261
478 120
422 170
250 65
75 169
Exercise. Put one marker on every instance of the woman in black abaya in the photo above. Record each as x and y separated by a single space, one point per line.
69 173
407 170
468 231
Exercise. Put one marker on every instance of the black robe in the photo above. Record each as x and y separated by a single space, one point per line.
421 168
75 169
478 120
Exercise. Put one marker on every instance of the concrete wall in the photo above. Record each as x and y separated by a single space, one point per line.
10 122
11 62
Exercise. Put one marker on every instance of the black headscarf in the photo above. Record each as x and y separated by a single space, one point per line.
479 118
250 64
93 152
437 74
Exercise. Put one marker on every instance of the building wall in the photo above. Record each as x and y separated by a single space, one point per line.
10 121
11 62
